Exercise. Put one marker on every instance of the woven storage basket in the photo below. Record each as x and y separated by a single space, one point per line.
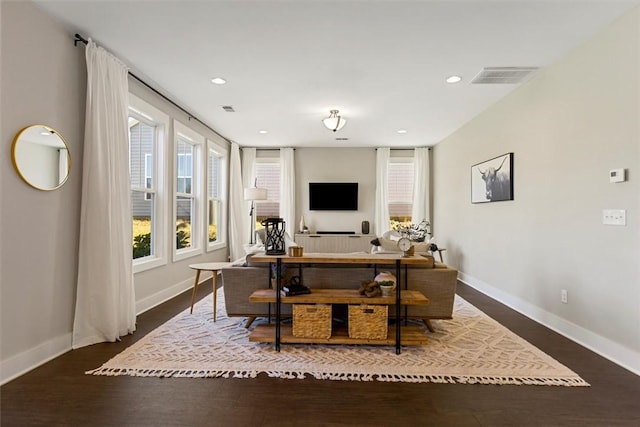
368 321
312 321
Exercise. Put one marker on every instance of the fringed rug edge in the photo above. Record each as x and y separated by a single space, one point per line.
341 376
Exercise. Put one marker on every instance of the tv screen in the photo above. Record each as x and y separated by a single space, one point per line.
333 196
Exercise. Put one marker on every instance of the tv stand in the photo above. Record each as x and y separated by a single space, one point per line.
336 232
332 242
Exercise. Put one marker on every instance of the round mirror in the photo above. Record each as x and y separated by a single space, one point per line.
41 157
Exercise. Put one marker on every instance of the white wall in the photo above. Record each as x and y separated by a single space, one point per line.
43 82
336 165
567 127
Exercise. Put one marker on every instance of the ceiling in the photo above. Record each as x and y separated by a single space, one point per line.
383 64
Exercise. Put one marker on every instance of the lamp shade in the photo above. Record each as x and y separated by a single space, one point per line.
254 193
334 122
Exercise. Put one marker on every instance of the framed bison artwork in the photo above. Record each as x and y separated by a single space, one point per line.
492 180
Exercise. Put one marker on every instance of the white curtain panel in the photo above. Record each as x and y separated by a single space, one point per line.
381 210
249 168
288 189
238 208
105 302
248 181
421 186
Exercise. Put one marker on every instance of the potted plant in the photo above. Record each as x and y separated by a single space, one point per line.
387 287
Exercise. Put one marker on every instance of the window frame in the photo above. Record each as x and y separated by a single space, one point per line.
183 132
150 115
223 154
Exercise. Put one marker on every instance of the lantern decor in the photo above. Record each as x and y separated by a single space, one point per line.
274 232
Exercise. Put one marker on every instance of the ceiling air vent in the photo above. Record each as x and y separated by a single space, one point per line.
503 75
342 139
228 108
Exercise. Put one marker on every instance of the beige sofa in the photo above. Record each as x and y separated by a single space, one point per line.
436 281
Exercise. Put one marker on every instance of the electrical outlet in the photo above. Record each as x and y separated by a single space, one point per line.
614 216
564 296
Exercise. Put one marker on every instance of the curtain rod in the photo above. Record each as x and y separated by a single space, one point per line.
190 116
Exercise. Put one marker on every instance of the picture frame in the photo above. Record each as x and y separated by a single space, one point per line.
492 180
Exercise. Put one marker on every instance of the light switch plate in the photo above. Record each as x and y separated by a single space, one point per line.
614 217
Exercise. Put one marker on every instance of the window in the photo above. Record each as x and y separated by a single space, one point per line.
148 171
184 167
147 145
216 185
187 207
268 176
400 181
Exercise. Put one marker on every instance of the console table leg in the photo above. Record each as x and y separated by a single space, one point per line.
398 319
278 287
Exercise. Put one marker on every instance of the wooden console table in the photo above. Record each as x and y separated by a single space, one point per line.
403 297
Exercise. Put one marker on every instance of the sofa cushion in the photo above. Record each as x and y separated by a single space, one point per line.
249 263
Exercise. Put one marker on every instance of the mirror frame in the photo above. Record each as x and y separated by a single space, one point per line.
16 167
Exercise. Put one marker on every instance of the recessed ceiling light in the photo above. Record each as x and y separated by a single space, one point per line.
402 131
454 79
218 81
263 132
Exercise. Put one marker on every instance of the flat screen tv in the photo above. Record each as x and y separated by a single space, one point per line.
333 196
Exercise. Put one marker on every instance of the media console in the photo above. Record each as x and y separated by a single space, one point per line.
335 232
344 242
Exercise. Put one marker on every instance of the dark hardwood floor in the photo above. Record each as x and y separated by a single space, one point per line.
60 394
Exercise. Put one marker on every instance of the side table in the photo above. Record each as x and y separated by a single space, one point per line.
215 268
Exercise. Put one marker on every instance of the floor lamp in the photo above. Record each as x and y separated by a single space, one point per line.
254 193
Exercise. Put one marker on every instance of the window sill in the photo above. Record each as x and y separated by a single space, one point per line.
148 264
216 246
186 253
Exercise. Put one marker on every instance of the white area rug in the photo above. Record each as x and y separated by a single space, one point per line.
472 348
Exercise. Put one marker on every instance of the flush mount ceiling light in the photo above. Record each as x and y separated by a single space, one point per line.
403 131
263 132
454 79
218 81
334 122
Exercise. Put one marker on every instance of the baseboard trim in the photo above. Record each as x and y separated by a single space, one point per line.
606 348
21 363
166 294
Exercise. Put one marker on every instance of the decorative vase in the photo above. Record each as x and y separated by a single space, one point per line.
385 276
302 227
